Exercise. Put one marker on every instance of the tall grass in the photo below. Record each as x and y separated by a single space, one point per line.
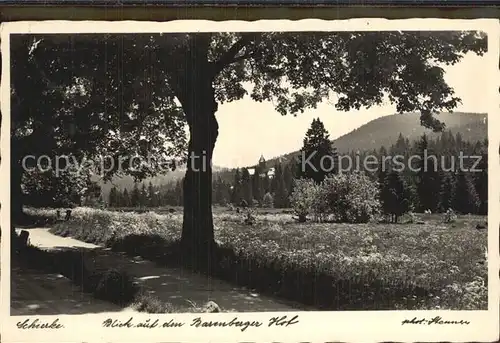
330 266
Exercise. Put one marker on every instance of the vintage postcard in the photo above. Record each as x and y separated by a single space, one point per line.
267 181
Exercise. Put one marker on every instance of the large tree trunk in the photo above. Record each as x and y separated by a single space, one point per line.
198 101
16 197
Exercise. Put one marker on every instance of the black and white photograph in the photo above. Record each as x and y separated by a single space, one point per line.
238 181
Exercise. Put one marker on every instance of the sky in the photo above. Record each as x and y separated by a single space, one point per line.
248 129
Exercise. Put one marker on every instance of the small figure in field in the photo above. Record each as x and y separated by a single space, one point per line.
237 210
58 214
68 215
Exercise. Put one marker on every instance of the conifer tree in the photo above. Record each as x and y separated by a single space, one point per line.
447 192
382 168
246 184
481 182
317 156
144 195
126 201
466 198
113 197
236 191
268 201
257 192
428 178
288 177
179 193
135 196
395 196
280 191
152 201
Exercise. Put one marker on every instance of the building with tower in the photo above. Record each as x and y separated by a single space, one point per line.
262 169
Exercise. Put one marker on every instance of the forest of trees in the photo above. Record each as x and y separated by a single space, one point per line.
436 187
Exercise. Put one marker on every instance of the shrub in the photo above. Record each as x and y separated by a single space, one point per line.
412 218
151 304
115 286
350 198
450 216
268 200
303 198
250 218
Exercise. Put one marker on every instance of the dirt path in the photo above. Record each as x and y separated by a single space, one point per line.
176 286
35 292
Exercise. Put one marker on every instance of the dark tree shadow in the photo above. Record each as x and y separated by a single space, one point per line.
62 281
313 290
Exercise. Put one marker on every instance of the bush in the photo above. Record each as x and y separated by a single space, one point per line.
412 218
250 218
151 304
268 200
450 216
303 197
116 287
350 198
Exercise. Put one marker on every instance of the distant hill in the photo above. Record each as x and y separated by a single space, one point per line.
128 182
384 131
381 131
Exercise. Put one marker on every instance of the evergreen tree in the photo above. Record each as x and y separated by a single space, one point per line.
400 147
143 200
220 193
395 196
135 197
257 192
179 193
268 201
113 197
280 191
265 183
466 198
288 177
382 168
428 178
317 157
236 191
152 199
246 184
447 192
126 201
481 182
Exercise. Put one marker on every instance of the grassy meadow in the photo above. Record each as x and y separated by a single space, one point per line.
428 264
